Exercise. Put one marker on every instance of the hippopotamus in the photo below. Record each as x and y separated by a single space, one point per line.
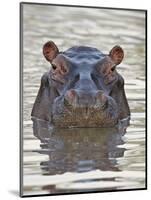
82 88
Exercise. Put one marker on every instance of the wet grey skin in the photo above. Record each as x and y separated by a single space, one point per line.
82 88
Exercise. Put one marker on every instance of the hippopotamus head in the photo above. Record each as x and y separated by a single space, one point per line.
82 88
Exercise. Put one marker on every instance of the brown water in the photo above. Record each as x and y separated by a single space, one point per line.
75 160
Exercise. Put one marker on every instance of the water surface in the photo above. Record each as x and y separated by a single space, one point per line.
75 160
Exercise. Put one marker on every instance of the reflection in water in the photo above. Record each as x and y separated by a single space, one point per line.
79 149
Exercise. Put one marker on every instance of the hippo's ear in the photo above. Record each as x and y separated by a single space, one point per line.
50 50
117 54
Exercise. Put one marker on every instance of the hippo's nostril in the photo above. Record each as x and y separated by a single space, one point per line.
70 97
101 99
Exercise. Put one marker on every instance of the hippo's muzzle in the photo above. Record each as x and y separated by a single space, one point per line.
84 109
84 99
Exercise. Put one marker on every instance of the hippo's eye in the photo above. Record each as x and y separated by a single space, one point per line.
53 66
113 68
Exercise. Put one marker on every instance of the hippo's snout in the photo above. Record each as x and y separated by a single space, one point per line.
84 99
85 109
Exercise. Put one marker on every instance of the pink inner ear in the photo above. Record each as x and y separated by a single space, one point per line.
50 51
117 54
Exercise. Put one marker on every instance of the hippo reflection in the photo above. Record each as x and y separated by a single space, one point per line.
79 150
82 89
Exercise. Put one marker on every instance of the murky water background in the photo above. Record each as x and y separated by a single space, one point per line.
77 160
